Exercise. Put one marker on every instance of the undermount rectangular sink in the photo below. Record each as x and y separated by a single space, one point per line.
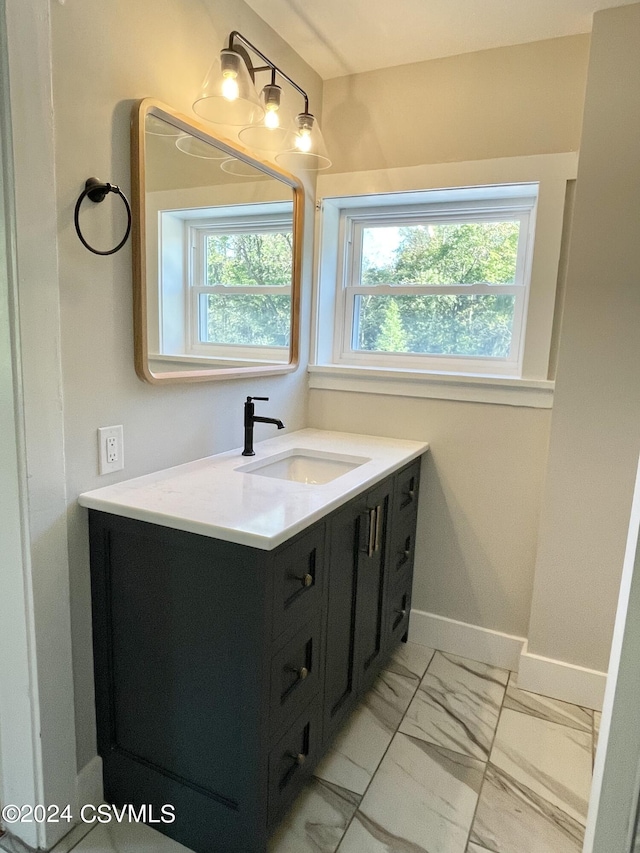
313 467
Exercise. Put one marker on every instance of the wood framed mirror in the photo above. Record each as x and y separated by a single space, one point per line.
217 254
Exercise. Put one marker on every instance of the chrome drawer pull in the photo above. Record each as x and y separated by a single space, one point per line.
373 514
378 527
305 580
302 672
298 757
402 613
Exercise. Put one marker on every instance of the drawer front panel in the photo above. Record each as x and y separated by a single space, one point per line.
298 581
293 759
407 484
295 673
402 549
398 609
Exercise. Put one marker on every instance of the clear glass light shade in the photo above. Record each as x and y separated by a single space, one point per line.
195 147
274 132
237 167
157 127
228 95
307 151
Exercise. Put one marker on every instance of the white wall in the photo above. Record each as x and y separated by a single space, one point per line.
105 57
613 805
595 431
37 589
18 698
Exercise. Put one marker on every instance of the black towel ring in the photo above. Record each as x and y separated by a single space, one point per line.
97 191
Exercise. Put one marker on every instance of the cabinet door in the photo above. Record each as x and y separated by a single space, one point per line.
372 561
341 683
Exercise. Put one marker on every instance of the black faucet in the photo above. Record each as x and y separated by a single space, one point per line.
249 420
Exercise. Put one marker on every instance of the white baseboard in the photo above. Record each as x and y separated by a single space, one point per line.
89 785
469 641
560 680
554 678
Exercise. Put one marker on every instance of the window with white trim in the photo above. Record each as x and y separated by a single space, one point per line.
440 285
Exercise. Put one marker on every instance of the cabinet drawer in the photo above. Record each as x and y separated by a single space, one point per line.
295 673
398 608
292 760
407 484
298 580
402 549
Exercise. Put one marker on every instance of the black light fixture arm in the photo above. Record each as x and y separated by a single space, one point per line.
270 66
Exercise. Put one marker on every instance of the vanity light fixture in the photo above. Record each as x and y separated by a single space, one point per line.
229 97
308 151
274 132
228 94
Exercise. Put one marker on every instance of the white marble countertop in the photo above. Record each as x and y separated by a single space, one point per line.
210 497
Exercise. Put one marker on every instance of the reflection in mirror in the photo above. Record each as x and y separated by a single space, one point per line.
217 256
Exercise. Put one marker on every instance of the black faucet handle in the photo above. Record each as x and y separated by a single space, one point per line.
249 399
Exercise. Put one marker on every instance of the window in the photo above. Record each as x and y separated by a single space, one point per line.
240 286
389 315
441 285
224 283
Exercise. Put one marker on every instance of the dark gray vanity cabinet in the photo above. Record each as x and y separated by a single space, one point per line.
223 671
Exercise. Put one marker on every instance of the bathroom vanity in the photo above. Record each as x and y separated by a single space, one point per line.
240 610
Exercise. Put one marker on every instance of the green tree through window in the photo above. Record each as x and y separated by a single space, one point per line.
438 254
248 260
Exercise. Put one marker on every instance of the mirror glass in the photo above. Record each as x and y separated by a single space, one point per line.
217 257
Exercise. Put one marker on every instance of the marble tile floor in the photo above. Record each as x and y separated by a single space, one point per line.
444 755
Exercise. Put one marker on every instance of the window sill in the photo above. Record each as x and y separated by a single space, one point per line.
499 390
213 360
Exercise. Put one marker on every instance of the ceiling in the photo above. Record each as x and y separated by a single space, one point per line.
338 37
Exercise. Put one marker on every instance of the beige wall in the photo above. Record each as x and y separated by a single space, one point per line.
481 502
106 56
504 102
595 435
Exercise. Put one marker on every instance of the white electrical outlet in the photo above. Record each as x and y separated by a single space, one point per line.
110 449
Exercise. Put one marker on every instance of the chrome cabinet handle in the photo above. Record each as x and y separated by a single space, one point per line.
402 613
373 513
298 757
375 527
378 527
